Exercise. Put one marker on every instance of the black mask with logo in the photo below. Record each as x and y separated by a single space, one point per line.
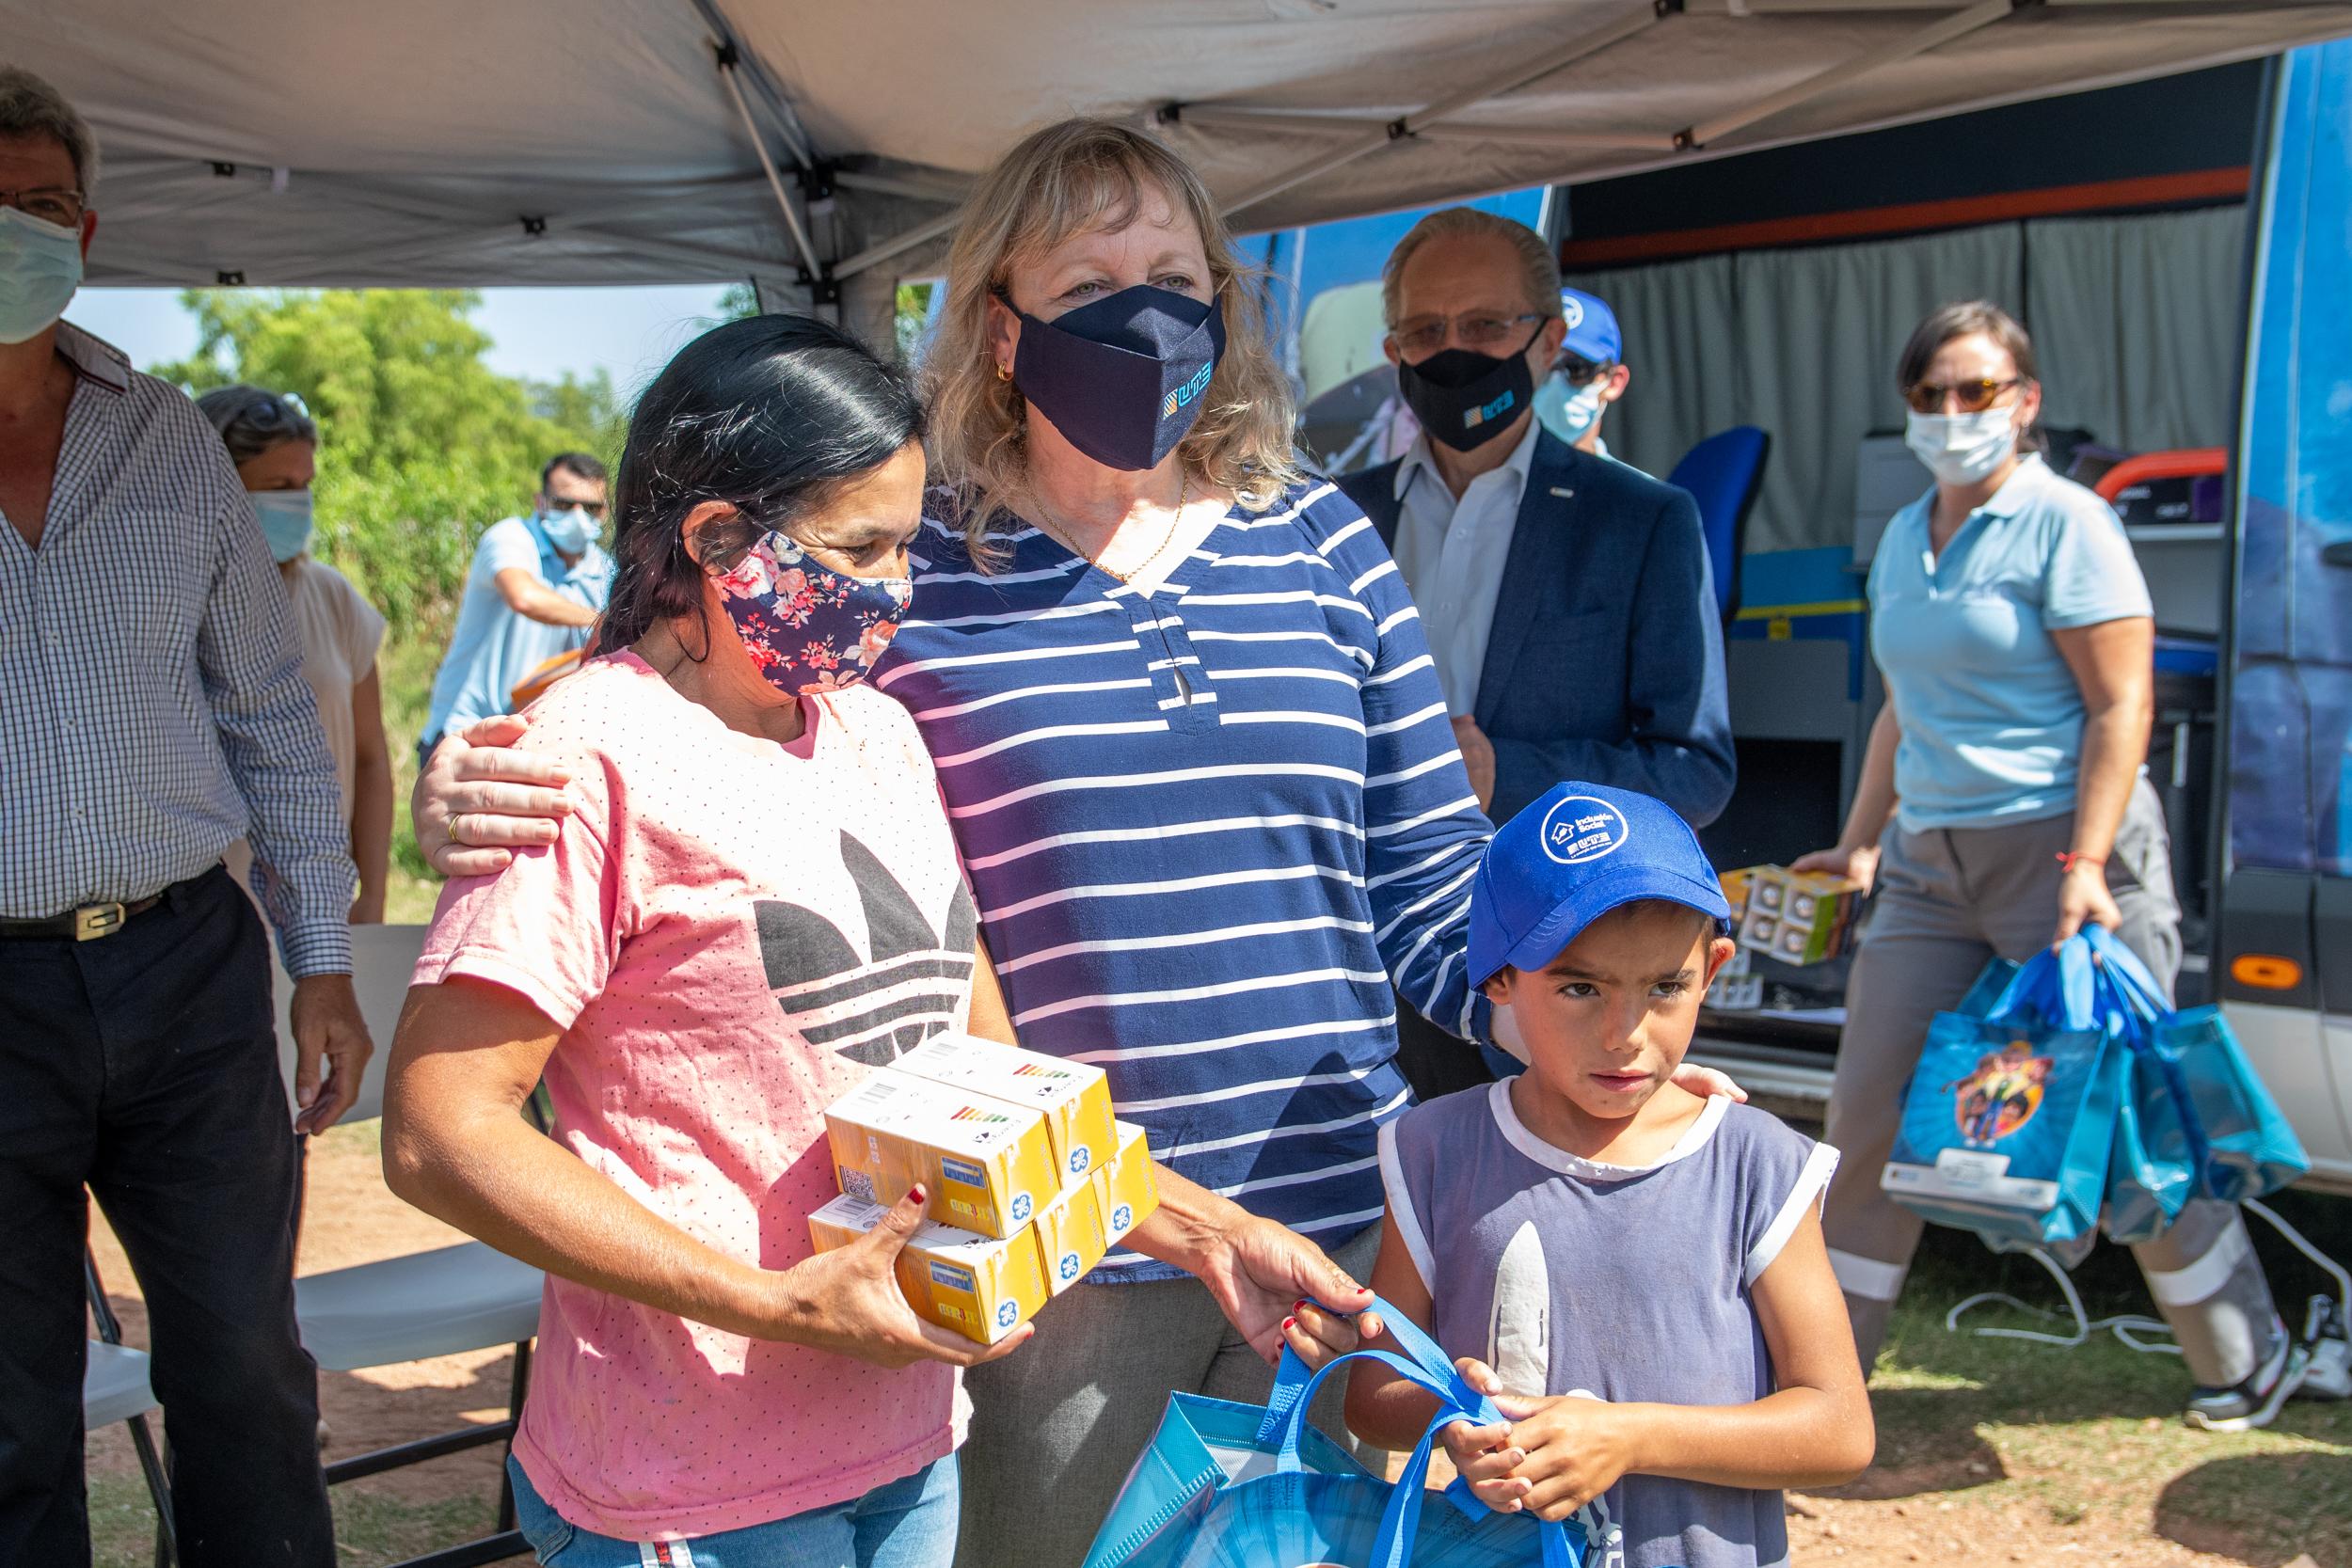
1124 377
1465 399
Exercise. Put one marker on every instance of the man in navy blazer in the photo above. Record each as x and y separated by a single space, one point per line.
1566 596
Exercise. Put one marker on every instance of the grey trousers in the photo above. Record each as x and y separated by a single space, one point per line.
1949 900
1057 1425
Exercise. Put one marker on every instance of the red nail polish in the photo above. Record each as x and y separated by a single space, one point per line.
918 1194
1299 1306
1289 1324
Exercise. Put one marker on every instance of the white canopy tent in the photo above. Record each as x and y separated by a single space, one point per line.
820 148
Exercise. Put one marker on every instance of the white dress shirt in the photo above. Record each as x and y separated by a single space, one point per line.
1452 555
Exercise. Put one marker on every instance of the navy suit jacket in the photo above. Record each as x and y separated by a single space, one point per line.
1606 661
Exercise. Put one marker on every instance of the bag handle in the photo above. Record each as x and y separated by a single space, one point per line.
2059 987
1291 1379
1400 1521
2123 968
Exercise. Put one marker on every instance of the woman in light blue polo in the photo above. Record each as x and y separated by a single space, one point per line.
2002 806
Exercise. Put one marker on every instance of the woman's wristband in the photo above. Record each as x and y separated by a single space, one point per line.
2070 861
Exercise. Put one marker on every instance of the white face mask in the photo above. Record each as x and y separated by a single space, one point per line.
1570 414
1962 449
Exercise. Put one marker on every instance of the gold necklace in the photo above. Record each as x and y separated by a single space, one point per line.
1183 488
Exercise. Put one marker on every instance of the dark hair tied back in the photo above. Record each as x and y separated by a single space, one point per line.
769 416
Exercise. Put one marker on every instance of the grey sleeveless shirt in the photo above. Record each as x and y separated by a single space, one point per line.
1628 1283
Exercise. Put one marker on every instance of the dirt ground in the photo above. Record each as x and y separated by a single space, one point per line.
1989 1453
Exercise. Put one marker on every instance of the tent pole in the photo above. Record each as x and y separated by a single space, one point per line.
941 189
1982 14
1247 119
875 255
788 123
1406 125
727 67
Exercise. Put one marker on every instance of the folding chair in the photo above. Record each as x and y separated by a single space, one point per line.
115 1389
445 1302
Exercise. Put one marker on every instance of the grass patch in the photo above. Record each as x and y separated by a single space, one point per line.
371 1529
2092 1435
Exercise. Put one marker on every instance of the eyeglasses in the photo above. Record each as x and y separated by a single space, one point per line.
566 503
1481 331
50 204
1577 370
1974 397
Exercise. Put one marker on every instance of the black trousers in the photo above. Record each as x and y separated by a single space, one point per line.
144 1067
1432 1061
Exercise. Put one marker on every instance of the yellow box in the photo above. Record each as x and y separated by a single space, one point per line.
980 1286
1127 1193
1074 1097
1799 917
988 1163
1070 1236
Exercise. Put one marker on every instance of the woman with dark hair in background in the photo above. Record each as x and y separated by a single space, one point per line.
2002 806
275 446
742 807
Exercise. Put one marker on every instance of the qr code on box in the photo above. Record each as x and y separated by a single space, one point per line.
858 1183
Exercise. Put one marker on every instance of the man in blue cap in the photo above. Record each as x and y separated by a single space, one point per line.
1589 374
1565 597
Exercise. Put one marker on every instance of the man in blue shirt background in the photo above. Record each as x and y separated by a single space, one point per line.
537 584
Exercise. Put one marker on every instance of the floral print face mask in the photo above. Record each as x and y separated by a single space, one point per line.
808 628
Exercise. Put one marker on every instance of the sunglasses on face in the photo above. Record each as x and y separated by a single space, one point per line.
1579 372
1974 397
564 503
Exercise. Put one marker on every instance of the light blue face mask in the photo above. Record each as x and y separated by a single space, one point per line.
1570 415
570 530
286 521
40 266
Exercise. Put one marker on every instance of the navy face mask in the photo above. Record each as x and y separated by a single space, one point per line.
1124 377
1465 399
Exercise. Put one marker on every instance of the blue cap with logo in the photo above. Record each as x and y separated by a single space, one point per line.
1592 327
1579 851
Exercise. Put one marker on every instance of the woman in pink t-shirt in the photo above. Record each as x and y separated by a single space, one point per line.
756 897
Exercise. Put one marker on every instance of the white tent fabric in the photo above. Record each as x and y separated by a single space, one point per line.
474 142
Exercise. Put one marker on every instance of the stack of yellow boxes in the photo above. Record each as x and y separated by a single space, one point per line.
1030 1181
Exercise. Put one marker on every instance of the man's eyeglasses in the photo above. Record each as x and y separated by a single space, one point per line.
1974 397
1579 372
1481 331
50 204
566 503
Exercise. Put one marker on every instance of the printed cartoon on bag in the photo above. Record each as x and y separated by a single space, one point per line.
2002 1094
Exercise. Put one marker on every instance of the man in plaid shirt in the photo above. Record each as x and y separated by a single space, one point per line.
153 711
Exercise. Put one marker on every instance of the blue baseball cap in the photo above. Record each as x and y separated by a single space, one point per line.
1592 327
1579 851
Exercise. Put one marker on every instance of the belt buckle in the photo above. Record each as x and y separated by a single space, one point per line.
93 921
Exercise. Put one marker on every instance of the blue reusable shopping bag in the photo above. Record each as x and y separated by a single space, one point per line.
2238 1143
1227 1485
2010 1117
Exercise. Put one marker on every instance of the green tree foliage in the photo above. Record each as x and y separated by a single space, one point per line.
423 444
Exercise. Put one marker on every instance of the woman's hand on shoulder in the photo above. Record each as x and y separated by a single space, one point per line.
848 1301
478 799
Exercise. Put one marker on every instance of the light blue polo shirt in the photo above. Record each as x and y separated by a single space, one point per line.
1992 719
493 648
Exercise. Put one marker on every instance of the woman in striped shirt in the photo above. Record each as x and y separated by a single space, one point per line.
1198 766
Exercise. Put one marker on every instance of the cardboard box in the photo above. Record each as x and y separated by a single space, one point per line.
1070 1234
1798 917
1129 1194
1074 1097
988 1163
980 1286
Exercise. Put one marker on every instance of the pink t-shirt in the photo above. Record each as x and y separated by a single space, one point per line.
729 932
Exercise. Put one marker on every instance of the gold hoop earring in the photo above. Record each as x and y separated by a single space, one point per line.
1002 374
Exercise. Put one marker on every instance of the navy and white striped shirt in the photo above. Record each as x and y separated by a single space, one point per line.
1205 826
152 710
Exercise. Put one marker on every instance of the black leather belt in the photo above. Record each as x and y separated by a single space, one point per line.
86 924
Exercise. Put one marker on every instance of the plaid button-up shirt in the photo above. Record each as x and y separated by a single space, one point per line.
152 710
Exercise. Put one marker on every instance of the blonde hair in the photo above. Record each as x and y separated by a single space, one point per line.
1539 274
1079 175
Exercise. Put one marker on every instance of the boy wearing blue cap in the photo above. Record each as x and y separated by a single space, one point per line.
1636 1274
